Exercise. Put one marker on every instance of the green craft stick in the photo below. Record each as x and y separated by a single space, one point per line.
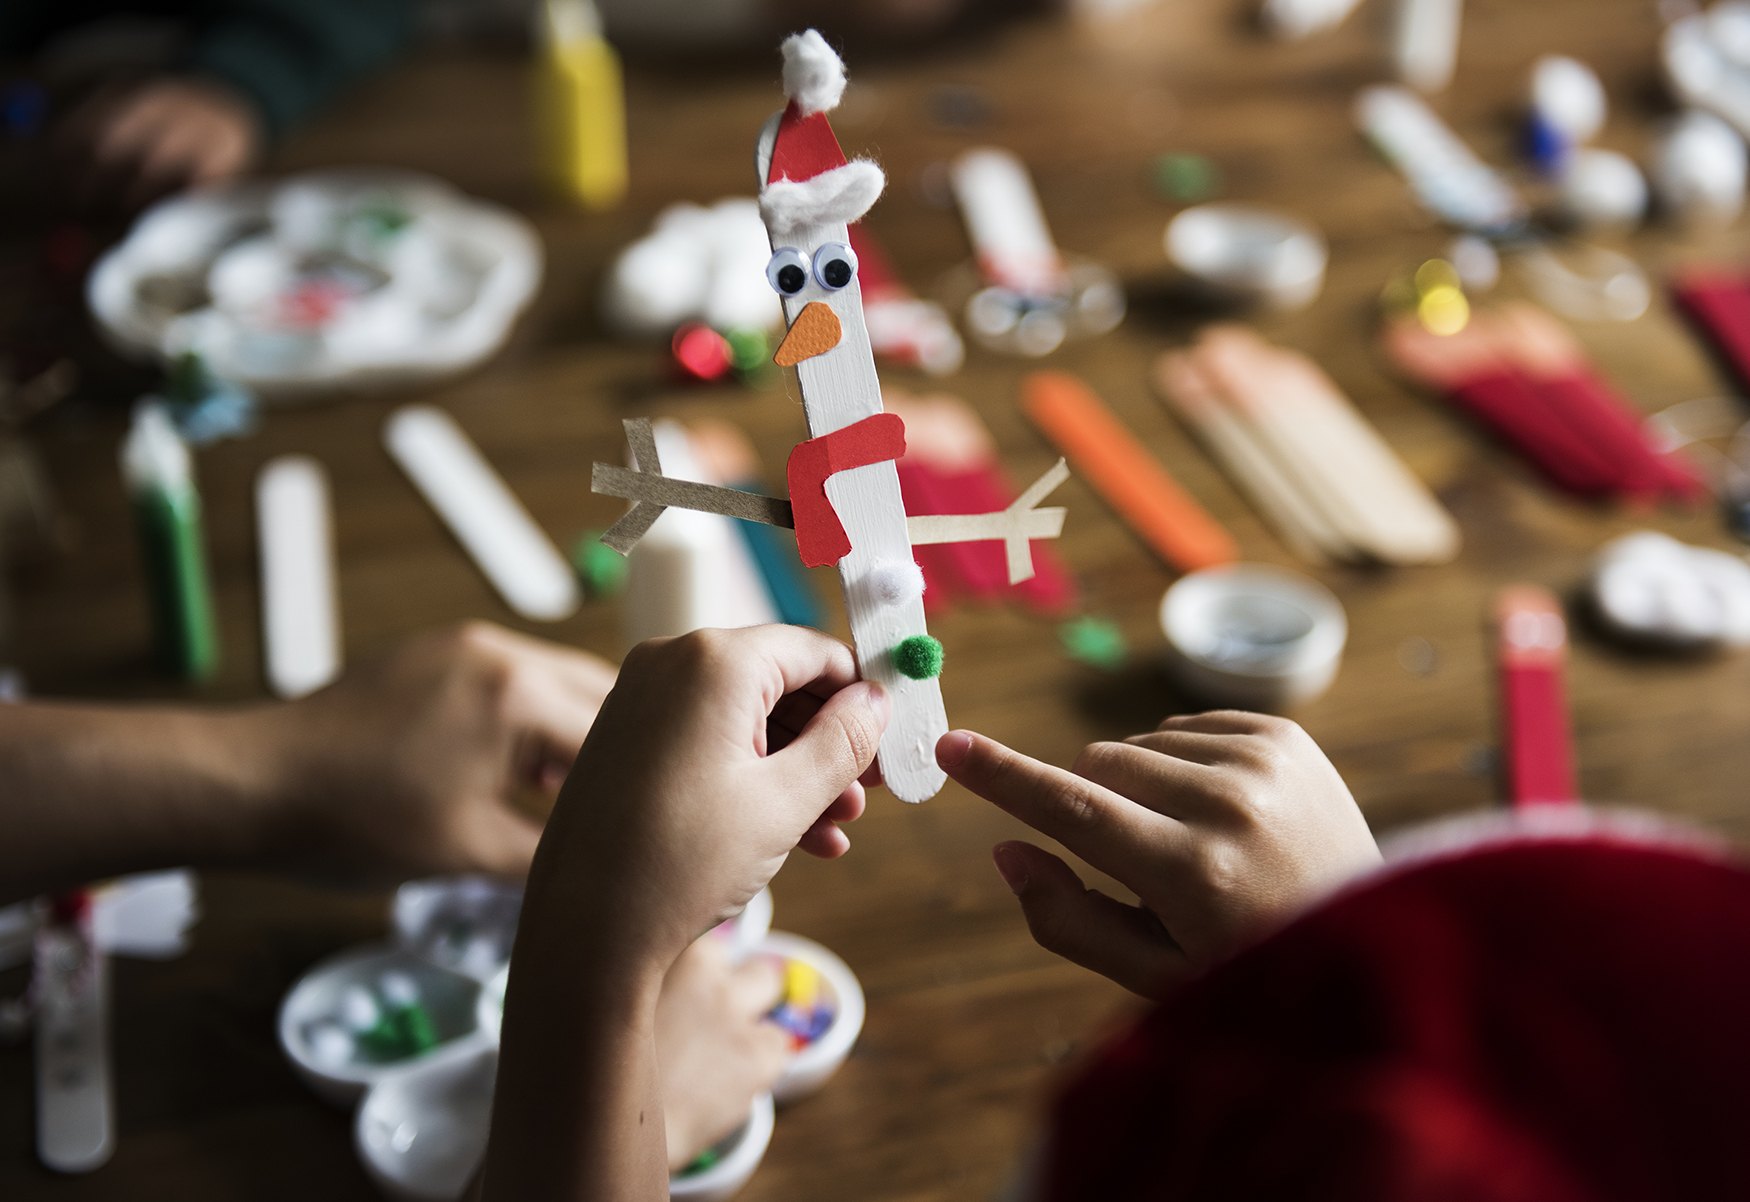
167 515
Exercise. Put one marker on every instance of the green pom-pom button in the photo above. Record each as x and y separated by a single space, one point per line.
919 657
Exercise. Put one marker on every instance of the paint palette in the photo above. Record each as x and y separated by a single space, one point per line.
421 1064
357 279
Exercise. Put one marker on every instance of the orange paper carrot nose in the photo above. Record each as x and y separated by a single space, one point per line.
814 332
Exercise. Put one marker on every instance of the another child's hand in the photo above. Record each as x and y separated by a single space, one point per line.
715 755
717 1049
1220 823
128 146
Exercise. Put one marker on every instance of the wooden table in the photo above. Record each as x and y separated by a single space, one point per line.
968 1021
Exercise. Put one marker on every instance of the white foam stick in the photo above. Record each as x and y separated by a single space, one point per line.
692 569
1006 223
146 916
491 524
1446 175
75 1131
1295 19
300 618
1015 527
1425 42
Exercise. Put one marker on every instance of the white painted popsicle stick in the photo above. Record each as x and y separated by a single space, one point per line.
491 524
300 613
75 1121
1006 222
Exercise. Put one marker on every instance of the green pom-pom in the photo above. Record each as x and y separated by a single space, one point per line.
919 657
600 569
749 350
1093 641
1185 178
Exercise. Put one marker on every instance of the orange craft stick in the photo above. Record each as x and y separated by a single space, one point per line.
1132 481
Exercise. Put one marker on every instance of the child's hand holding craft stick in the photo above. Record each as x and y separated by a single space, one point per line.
1220 823
716 754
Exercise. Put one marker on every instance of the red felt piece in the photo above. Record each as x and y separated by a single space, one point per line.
820 536
1538 746
1614 426
1719 305
1553 1020
805 147
1520 414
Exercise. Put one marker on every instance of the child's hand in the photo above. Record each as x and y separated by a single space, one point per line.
127 146
410 763
716 1047
1220 823
715 755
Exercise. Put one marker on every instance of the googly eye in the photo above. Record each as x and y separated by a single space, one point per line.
835 265
787 272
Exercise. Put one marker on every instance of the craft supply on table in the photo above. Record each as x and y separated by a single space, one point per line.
1650 589
158 470
823 1010
70 995
1698 168
721 1171
908 331
693 570
1315 468
1701 54
1292 20
336 280
1250 254
1185 178
205 408
951 466
1537 745
1424 42
600 569
1446 175
1516 370
580 105
1252 636
1695 426
703 265
300 604
494 528
1568 99
727 457
1601 189
1032 298
1097 642
1122 471
1717 302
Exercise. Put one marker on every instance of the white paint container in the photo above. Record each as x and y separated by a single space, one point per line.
1251 636
1249 254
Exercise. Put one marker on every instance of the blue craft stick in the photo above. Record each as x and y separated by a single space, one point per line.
781 570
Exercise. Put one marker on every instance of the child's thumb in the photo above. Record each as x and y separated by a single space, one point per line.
835 748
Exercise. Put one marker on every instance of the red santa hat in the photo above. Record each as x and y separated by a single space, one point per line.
808 182
1557 1017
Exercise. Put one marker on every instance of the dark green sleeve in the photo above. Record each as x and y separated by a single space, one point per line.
292 56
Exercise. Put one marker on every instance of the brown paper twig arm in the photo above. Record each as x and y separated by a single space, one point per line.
651 492
1015 527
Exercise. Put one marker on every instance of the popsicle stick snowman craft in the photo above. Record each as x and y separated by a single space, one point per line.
844 501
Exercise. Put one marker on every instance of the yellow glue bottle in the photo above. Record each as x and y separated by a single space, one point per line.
581 106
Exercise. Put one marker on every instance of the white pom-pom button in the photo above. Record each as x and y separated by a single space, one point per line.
894 582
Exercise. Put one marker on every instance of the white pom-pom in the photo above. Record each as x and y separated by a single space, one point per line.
1568 97
835 197
814 76
399 989
358 1009
1698 169
1604 189
330 1045
1651 588
895 582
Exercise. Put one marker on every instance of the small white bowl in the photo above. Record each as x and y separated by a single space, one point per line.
421 1132
463 923
817 1062
1253 636
1247 253
452 1001
733 1170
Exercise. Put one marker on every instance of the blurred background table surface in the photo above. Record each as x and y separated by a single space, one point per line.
968 1020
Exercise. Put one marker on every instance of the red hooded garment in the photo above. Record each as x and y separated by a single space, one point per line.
1547 1020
